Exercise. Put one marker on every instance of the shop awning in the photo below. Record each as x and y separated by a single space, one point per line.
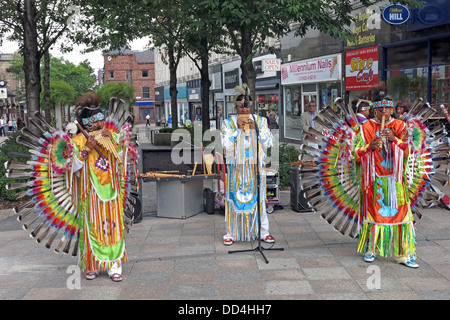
144 103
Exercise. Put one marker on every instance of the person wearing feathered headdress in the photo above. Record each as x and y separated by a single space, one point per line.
102 244
245 154
382 153
363 110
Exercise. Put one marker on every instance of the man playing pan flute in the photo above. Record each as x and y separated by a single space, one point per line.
239 141
102 243
382 152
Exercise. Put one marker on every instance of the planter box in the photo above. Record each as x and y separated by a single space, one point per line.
161 139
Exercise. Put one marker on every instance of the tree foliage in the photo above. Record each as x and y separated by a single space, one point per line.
35 25
119 90
63 74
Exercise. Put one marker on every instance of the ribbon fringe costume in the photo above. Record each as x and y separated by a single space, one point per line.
100 205
77 195
375 195
387 219
241 206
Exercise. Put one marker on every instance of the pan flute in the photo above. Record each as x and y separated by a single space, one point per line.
106 143
245 117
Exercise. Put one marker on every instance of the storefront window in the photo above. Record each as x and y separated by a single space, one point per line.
408 84
440 86
268 107
144 111
293 109
183 113
230 108
414 54
328 92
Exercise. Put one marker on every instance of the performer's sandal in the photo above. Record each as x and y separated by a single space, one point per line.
369 257
91 275
228 241
407 261
269 239
116 277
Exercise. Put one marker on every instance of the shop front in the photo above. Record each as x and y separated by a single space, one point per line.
406 48
231 79
216 101
182 103
142 109
317 79
268 88
159 103
195 101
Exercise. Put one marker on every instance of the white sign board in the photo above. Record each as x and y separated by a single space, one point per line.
3 93
326 68
271 65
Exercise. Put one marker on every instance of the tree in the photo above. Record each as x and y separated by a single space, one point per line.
119 90
202 38
36 25
61 93
178 27
167 32
67 81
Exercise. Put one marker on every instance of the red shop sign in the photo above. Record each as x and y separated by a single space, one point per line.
361 69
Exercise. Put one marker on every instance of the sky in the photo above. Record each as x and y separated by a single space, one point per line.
95 58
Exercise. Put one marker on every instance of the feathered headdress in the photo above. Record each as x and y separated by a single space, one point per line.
243 91
87 105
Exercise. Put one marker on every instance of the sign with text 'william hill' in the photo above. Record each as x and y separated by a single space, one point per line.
395 14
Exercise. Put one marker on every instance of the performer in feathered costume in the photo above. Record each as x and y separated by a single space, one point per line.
382 153
239 140
81 187
102 242
371 190
363 110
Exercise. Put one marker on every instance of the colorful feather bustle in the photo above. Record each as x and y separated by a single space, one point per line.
417 135
445 112
61 152
336 190
52 208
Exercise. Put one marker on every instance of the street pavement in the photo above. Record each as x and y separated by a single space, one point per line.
184 259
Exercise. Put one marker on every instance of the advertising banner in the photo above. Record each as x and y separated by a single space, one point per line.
361 69
325 68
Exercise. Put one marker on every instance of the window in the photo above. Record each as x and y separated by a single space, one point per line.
111 74
145 74
129 76
145 92
413 54
424 72
408 84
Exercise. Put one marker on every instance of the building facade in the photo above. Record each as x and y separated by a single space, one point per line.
408 49
136 68
10 106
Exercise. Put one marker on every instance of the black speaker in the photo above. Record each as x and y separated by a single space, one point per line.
209 200
298 200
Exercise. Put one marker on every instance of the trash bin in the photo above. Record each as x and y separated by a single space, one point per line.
208 201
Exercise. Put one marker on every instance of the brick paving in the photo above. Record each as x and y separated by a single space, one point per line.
184 259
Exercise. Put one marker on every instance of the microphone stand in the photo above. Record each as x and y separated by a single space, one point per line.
259 248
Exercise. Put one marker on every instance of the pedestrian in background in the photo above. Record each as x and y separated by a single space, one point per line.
2 127
401 109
